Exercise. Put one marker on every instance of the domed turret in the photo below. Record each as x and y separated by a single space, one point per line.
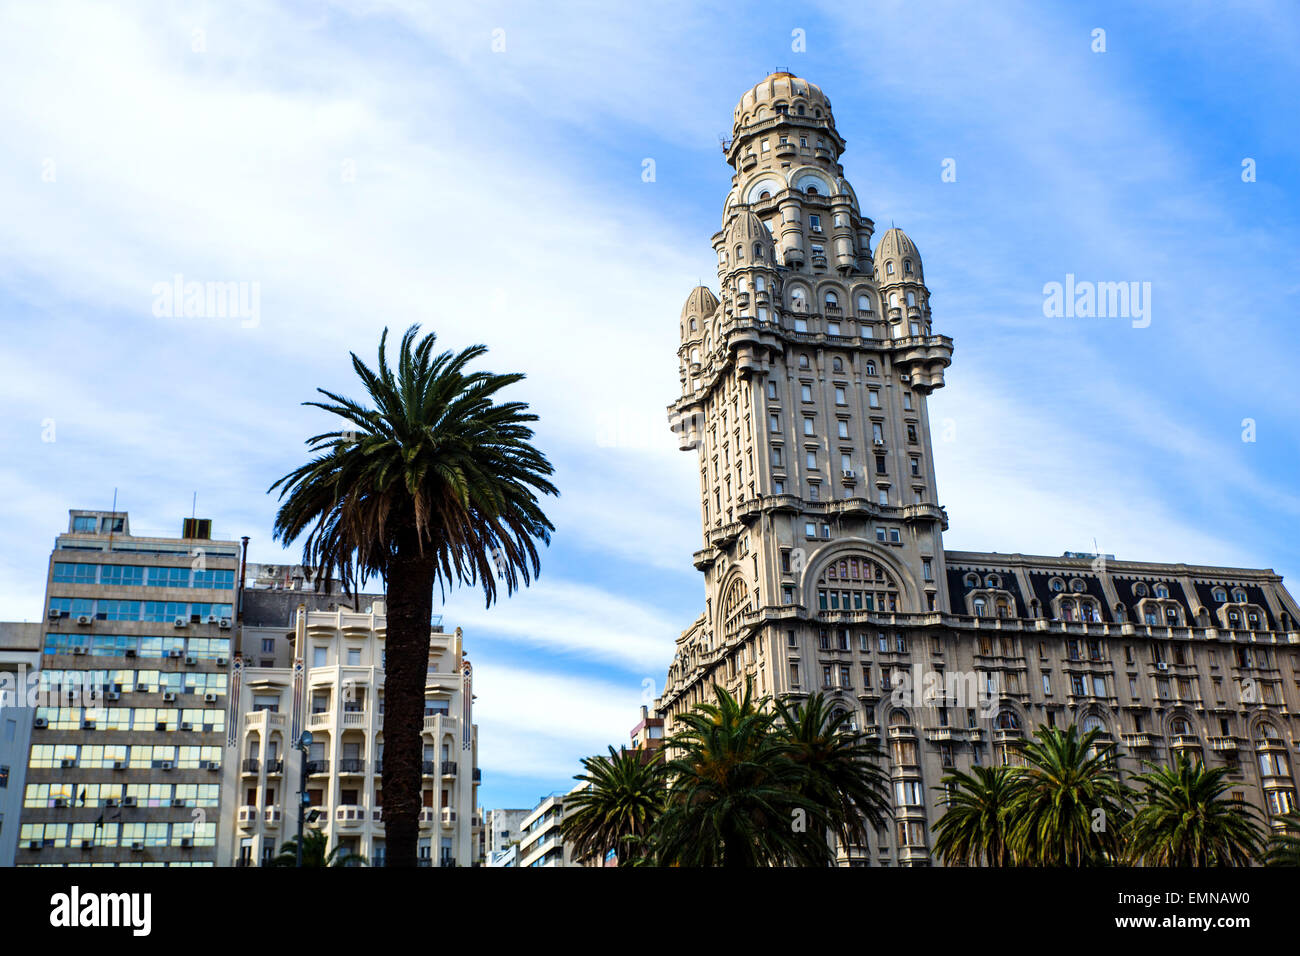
786 92
748 243
698 310
896 258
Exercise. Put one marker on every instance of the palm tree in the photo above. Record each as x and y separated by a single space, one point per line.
841 767
1184 819
1068 807
433 482
973 828
1284 845
618 808
734 797
314 852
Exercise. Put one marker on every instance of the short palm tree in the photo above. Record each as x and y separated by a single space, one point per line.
973 828
734 796
1284 844
1184 818
430 481
618 808
1068 808
314 852
842 767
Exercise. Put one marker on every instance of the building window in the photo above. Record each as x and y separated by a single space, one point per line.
873 397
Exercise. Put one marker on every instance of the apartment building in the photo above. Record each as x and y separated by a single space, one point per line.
540 840
322 671
128 737
20 663
502 831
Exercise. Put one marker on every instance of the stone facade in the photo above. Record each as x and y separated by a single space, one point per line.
805 385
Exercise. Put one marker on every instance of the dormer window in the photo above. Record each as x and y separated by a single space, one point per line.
889 268
812 190
1140 589
1162 591
907 266
1220 595
758 251
765 195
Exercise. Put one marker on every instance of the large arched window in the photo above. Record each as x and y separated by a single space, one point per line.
857 583
1092 722
734 606
864 303
1007 720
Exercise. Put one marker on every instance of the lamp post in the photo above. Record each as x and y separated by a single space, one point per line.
304 744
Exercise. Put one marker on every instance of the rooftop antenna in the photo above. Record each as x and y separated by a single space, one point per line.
112 521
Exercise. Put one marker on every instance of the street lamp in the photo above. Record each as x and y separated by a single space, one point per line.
304 744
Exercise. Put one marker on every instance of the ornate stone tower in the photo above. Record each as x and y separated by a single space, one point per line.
804 391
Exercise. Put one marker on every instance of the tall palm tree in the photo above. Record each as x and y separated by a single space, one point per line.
973 828
314 843
618 808
1184 819
841 767
734 797
429 481
1068 808
1284 845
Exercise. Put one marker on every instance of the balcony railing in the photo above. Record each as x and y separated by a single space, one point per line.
250 765
352 765
449 768
318 766
274 766
429 767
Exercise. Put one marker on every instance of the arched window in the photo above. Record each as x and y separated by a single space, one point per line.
764 195
758 251
1057 585
856 582
1162 591
864 303
889 268
798 300
837 364
972 580
735 605
898 718
993 581
803 361
907 267
893 300
1077 586
871 368
1092 722
978 604
1180 727
799 110
812 190
740 252
832 300
1140 589
1007 720
911 297
1239 595
1220 595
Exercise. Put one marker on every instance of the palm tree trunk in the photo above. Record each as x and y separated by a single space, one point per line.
410 606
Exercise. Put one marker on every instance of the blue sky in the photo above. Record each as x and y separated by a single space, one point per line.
378 163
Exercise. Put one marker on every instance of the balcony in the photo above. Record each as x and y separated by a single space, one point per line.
273 817
318 766
1186 742
428 815
263 718
448 817
354 718
431 721
1140 741
350 815
248 815
449 768
251 765
1223 744
478 775
352 765
429 768
902 730
274 767
379 768
319 720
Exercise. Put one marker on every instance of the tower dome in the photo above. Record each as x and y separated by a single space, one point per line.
698 310
797 96
896 257
748 242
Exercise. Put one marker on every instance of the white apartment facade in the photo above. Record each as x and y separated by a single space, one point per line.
340 702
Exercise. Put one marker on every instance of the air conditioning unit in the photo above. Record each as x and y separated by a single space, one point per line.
84 620
191 660
186 725
187 842
169 697
119 764
79 650
110 801
113 695
87 725
35 844
137 847
1162 666
878 442
128 801
68 762
40 723
178 802
225 624
175 654
166 765
847 473
209 698
904 378
54 614
222 661
141 688
87 844
213 619
269 570
61 802
181 622
214 765
130 652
